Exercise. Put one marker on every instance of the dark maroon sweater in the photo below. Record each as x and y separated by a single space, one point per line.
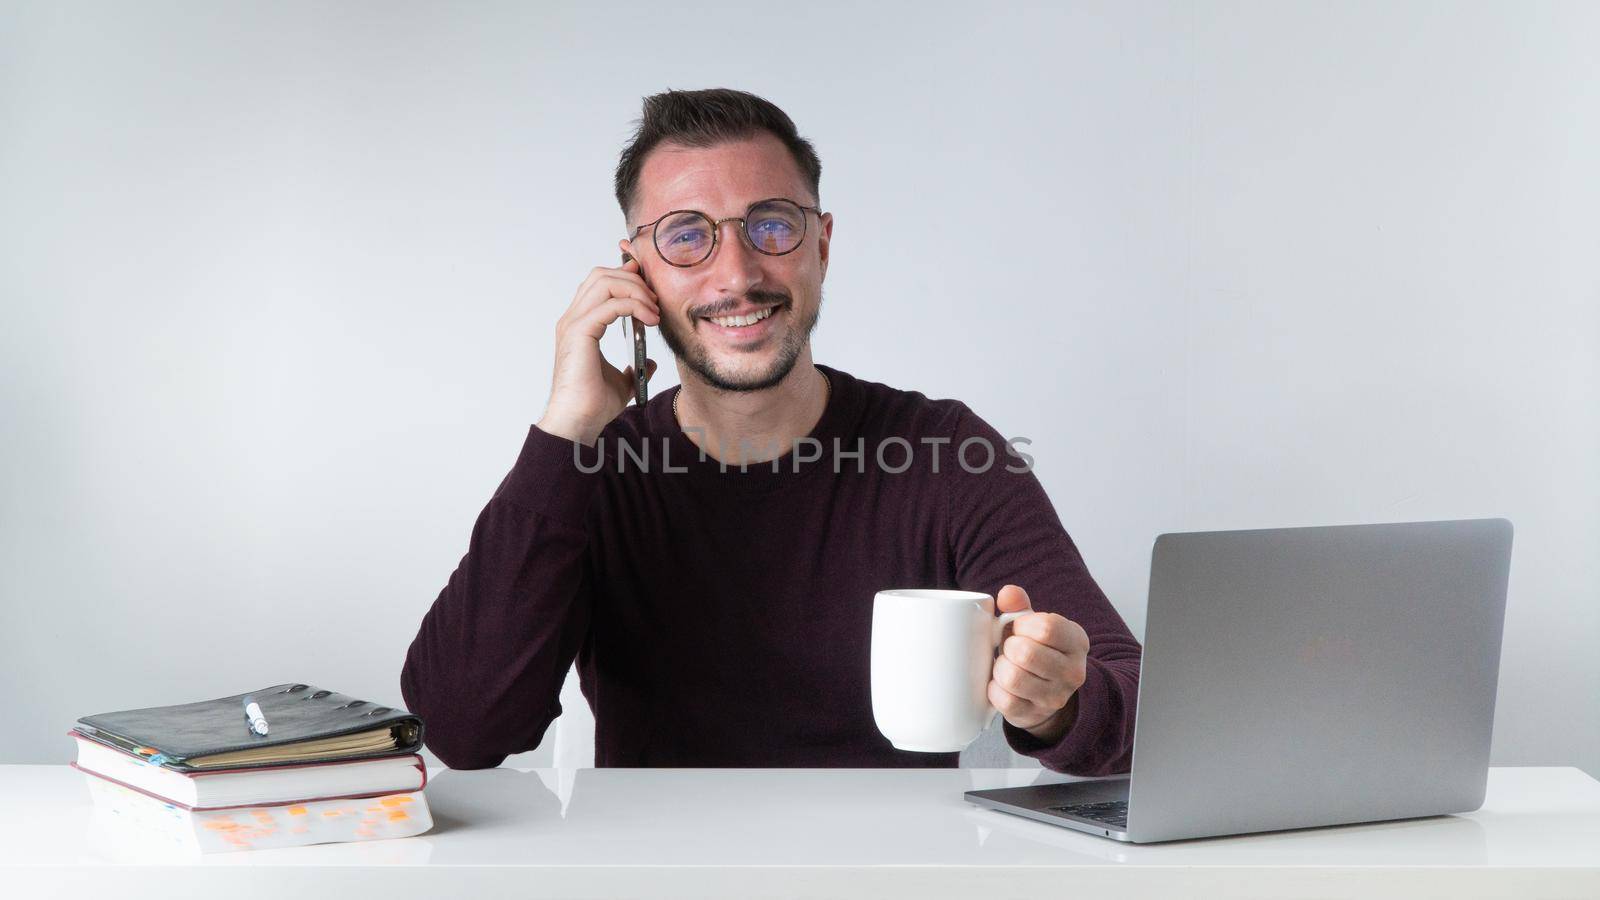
724 618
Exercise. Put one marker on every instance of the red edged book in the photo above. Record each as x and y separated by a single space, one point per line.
256 785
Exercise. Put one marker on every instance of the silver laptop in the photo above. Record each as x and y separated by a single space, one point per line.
1301 677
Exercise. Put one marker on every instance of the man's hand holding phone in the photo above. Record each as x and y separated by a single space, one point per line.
586 391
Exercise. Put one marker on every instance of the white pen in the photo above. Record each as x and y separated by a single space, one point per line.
252 712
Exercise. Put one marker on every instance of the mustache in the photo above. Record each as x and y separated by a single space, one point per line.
759 298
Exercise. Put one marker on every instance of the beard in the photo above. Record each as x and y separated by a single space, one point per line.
692 352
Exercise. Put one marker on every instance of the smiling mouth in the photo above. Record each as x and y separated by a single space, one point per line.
742 321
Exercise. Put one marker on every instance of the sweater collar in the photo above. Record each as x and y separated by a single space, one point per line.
838 423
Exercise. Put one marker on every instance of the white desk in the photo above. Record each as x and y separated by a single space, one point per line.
812 832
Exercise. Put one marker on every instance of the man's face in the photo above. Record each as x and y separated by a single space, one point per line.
737 280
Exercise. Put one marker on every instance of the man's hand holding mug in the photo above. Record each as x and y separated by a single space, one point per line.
1040 668
943 666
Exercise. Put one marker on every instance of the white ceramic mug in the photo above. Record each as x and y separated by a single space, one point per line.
933 653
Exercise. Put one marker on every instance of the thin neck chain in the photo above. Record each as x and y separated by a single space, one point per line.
826 382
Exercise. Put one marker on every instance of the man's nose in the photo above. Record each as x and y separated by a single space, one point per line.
734 264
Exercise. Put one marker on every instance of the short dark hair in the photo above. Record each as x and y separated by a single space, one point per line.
704 119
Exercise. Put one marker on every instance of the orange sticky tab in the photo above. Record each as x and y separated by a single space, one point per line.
297 810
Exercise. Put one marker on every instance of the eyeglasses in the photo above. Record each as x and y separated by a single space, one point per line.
687 237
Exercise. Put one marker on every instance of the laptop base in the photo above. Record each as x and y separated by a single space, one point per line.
1043 802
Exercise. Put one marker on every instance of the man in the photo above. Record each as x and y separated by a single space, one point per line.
710 559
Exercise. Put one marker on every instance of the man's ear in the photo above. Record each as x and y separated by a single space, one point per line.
823 237
627 253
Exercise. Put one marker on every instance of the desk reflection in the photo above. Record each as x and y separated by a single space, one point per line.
790 812
850 817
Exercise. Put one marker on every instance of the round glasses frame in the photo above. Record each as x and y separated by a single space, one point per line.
716 231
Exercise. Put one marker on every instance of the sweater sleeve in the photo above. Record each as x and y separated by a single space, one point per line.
487 665
1004 530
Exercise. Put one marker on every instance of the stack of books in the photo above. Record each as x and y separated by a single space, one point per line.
280 767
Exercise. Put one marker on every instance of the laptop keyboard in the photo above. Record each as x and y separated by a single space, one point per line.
1111 812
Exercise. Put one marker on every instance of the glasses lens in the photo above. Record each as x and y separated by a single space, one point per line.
775 226
684 238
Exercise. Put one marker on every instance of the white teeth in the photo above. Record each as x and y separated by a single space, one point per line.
741 321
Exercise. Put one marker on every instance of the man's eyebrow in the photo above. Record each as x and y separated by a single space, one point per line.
742 210
668 208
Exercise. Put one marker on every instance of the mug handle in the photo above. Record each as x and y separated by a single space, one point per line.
1000 623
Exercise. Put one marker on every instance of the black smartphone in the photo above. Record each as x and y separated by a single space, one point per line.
639 373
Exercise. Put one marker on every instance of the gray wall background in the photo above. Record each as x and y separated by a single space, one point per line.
279 284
